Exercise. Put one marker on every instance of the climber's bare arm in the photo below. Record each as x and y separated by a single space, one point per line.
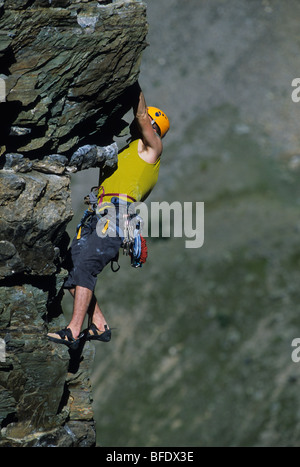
150 144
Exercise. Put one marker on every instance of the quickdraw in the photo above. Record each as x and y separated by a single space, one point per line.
134 244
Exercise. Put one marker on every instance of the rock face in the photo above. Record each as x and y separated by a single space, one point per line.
67 68
65 64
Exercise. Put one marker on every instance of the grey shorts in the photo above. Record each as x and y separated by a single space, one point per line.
89 255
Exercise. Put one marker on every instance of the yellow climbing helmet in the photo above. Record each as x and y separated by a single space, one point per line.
161 120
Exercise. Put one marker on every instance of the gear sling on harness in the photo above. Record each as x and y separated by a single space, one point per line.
126 224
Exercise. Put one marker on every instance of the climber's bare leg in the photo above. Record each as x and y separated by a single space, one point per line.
82 300
85 302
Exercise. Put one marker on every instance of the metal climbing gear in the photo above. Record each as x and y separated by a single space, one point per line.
116 218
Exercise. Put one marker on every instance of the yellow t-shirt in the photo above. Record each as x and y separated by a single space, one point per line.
133 176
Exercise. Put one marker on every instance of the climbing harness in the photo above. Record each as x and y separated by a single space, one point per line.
118 195
116 218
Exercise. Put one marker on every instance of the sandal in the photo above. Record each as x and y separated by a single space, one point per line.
65 337
93 333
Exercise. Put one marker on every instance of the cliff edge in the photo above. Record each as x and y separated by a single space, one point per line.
66 67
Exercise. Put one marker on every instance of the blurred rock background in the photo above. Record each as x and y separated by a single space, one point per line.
201 353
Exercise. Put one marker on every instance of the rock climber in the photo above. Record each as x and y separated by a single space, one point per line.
132 181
